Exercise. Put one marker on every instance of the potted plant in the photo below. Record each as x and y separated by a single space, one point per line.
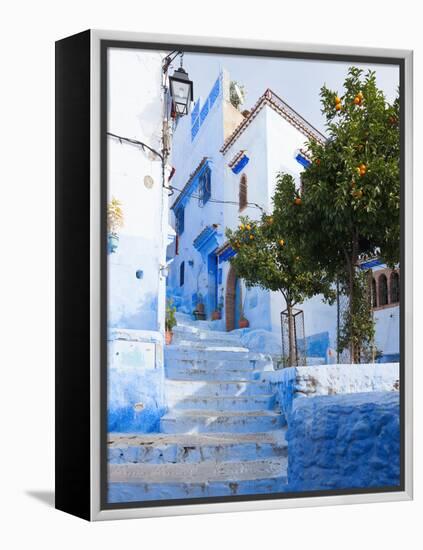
244 322
200 303
170 321
199 311
217 313
114 223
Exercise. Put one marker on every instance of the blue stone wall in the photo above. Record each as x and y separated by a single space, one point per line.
135 386
344 441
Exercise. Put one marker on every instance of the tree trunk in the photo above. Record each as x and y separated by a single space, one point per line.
291 337
354 345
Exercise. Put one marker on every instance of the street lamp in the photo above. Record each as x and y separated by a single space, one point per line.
181 91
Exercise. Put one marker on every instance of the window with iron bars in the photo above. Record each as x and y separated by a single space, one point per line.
204 188
243 198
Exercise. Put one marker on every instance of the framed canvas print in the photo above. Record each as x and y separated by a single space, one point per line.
234 292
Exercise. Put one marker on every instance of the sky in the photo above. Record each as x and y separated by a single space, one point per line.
298 82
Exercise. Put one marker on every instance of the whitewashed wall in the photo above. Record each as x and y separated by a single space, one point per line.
135 111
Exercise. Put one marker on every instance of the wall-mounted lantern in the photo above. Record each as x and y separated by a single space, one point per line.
181 91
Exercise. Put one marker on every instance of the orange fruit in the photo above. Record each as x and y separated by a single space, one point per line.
357 100
251 237
297 201
248 227
337 100
281 242
338 106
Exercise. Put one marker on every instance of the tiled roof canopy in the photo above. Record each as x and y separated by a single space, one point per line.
277 104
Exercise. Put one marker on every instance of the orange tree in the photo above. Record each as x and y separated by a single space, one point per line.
350 201
269 255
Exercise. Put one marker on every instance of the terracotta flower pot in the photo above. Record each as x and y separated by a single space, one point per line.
168 337
244 323
216 315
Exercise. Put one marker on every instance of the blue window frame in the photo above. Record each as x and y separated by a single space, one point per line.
180 220
204 187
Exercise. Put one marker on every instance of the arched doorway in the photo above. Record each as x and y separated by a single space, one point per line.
233 301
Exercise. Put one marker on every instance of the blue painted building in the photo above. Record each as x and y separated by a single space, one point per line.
226 164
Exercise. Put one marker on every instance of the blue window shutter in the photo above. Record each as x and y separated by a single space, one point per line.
243 161
182 274
180 220
302 160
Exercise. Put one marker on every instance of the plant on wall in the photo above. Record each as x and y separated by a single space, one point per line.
115 219
170 320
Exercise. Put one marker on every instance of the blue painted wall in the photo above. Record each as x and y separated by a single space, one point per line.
344 441
135 386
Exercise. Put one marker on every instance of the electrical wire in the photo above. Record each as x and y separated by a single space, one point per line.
236 203
172 188
136 142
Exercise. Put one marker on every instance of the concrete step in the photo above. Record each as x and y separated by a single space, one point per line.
141 492
132 482
215 370
216 364
180 389
215 353
184 320
253 402
207 374
203 421
198 343
195 448
193 334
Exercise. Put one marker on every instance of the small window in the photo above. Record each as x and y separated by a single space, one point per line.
182 274
180 220
383 290
204 187
395 288
243 201
374 293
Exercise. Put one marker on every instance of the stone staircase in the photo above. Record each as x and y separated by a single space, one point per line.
222 434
